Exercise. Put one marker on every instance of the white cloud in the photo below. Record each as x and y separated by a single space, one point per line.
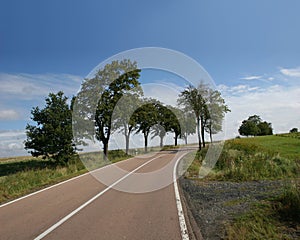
12 143
9 114
30 86
291 72
277 104
254 77
236 90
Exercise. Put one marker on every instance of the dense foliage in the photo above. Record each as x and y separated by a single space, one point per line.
254 126
52 135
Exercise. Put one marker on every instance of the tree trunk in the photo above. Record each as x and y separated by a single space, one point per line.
186 140
202 136
202 132
146 142
210 135
176 136
127 143
161 144
198 133
105 150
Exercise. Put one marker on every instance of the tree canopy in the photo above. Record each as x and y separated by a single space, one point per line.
254 126
102 92
208 107
52 135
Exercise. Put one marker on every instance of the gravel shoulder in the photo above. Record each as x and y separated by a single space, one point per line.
212 204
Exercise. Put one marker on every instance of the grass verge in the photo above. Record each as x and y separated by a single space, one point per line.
277 218
18 178
261 158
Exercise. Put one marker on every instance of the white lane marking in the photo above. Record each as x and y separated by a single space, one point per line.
57 184
42 235
182 223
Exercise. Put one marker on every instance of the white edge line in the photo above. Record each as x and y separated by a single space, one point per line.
63 182
60 222
182 223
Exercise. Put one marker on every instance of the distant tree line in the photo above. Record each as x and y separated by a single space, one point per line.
113 101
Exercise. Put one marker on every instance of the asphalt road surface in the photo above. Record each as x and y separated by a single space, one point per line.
133 199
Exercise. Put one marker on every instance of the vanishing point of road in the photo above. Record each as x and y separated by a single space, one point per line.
85 208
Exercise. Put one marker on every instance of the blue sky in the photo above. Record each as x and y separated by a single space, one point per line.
250 48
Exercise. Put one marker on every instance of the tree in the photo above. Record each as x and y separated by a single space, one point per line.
193 100
208 107
176 121
52 135
254 126
216 112
102 92
145 117
265 128
294 130
123 117
248 128
166 121
188 125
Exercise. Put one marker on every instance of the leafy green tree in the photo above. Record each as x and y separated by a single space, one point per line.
249 128
254 126
216 112
146 117
188 125
176 119
52 135
255 118
294 130
166 122
124 118
208 107
102 92
193 100
265 128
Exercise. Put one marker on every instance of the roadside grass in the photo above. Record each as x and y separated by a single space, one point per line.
276 218
275 158
18 178
259 158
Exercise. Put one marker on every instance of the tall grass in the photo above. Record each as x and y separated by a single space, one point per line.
288 203
245 160
273 219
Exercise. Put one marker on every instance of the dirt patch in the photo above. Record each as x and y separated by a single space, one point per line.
212 204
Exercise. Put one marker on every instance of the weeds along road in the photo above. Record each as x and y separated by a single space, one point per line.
85 208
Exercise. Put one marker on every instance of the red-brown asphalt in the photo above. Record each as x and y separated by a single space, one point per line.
114 215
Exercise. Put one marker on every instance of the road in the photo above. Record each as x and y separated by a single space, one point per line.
134 199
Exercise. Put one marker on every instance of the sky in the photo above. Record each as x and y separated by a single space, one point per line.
249 48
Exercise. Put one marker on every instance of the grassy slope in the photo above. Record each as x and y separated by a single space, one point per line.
284 144
266 157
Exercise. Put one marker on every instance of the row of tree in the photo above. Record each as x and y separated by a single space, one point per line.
113 101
